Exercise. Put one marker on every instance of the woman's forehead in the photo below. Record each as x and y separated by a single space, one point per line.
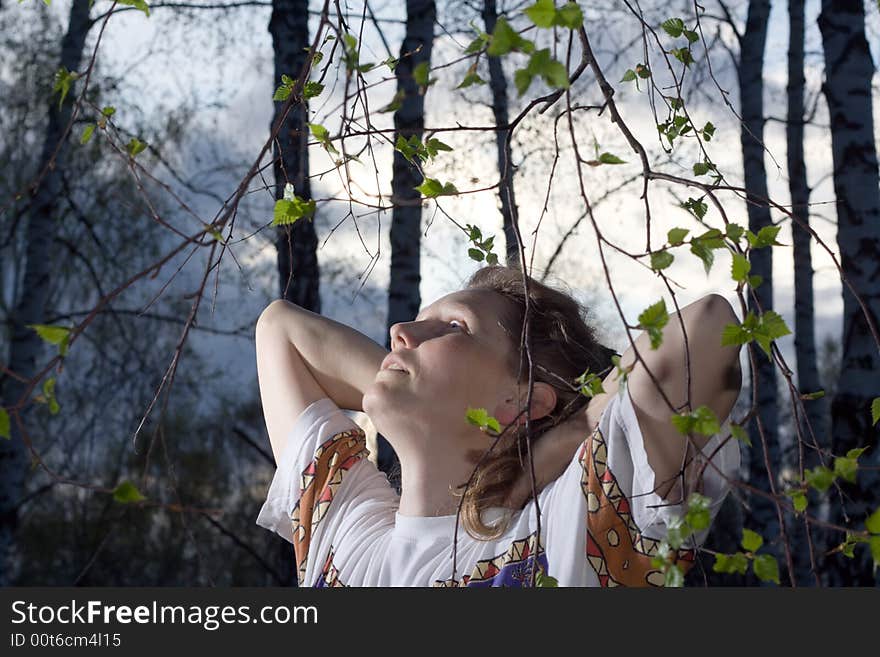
486 305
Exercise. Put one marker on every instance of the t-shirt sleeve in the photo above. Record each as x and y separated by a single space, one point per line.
325 491
609 490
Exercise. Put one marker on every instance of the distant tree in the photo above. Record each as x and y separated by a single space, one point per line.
30 305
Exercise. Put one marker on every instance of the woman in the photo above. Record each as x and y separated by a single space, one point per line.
611 477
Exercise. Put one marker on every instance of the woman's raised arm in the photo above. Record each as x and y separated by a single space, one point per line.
303 357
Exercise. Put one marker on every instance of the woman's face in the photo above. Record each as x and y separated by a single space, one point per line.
455 355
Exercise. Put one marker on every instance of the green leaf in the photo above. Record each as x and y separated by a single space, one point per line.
734 231
661 260
676 236
556 76
766 568
421 74
608 158
696 207
875 551
589 384
430 188
872 524
708 131
652 320
475 254
765 237
137 4
740 268
702 420
691 36
480 417
731 563
282 93
49 394
570 15
288 212
477 44
683 55
751 541
798 499
5 428
674 577
735 334
740 434
492 259
846 468
522 79
323 136
544 580
704 253
629 76
820 478
698 515
312 89
108 111
702 168
433 146
135 146
875 411
810 396
643 71
63 81
469 80
673 27
87 134
56 335
542 13
126 492
504 39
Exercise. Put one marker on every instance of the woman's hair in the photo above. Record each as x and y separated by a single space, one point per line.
563 346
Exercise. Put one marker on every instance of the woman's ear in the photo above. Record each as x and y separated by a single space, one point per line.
543 403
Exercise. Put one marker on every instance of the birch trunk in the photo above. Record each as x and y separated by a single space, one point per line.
847 90
297 245
751 88
498 87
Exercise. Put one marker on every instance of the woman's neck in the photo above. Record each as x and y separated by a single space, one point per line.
427 483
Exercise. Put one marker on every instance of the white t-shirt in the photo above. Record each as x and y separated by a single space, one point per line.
600 522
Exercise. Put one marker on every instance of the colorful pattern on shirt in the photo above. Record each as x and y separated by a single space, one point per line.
329 577
512 568
616 548
319 483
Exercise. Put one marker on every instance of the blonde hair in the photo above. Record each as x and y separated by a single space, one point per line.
563 346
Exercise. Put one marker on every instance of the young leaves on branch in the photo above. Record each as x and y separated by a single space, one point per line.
137 4
291 208
482 249
5 427
126 493
432 188
764 329
57 335
652 320
479 417
765 566
545 14
63 81
632 75
541 64
589 384
413 149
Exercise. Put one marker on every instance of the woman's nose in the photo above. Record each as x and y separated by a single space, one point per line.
405 335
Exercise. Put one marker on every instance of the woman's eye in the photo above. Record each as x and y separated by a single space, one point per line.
457 323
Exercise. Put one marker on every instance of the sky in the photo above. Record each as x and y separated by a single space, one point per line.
227 67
